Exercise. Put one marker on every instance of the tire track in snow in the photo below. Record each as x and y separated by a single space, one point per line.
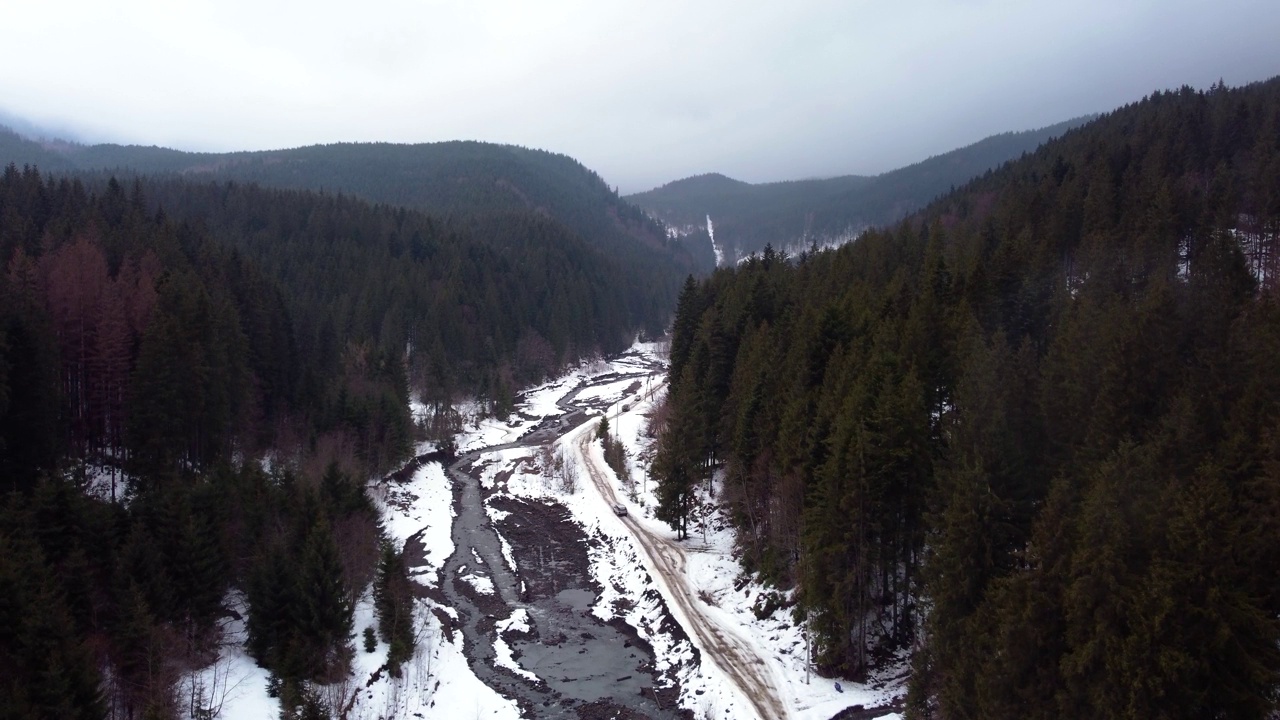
736 658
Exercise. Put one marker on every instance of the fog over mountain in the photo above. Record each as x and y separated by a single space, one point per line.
642 94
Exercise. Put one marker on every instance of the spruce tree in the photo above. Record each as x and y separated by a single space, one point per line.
45 669
323 629
688 310
272 591
393 602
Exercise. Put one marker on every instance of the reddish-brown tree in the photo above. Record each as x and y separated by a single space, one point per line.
76 275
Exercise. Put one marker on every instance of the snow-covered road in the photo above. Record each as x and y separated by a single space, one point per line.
753 659
665 559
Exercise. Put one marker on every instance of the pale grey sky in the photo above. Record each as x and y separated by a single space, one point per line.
641 92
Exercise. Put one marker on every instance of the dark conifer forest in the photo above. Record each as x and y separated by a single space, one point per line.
444 178
162 335
1030 435
482 302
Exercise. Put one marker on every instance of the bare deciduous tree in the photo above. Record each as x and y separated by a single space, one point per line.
356 536
568 473
547 466
207 691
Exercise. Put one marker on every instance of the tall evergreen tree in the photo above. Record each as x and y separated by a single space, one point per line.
323 629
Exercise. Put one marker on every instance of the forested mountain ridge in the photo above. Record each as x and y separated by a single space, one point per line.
160 338
443 178
1029 433
503 198
802 212
484 303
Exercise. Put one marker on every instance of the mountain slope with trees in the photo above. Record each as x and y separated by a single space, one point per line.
482 303
143 368
523 205
195 380
799 213
1030 433
444 178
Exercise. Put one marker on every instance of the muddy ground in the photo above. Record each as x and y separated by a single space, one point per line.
551 552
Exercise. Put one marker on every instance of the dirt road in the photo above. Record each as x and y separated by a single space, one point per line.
735 657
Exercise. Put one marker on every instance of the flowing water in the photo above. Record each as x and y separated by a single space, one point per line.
577 658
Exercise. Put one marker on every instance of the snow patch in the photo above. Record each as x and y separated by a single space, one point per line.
422 507
503 657
105 482
482 584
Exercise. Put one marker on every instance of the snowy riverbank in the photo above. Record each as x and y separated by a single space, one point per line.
688 609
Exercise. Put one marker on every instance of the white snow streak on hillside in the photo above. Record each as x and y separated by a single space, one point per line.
711 233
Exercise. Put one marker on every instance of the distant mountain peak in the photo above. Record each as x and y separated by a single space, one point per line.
705 181
823 210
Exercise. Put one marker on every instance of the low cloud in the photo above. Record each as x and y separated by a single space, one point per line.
641 92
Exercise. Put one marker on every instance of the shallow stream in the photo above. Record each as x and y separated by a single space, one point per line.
578 659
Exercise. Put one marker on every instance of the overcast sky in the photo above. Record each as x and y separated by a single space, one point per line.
641 92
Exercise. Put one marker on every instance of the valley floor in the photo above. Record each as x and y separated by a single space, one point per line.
537 600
